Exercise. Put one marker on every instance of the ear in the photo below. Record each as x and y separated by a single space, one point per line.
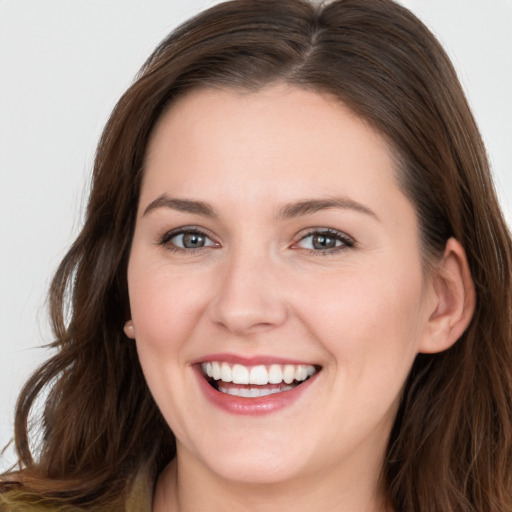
453 300
129 329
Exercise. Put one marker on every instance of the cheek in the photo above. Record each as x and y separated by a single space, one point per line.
164 309
164 305
367 317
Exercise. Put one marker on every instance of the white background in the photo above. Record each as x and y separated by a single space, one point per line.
63 65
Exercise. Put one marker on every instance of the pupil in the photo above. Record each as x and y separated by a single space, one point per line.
323 242
193 240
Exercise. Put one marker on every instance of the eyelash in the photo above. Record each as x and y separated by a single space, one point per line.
165 239
347 242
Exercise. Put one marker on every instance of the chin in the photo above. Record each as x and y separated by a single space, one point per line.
255 462
257 472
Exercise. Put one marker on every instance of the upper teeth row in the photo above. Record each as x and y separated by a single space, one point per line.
260 374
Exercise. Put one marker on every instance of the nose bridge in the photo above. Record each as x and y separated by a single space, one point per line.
249 296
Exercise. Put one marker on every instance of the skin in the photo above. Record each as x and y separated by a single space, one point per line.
259 288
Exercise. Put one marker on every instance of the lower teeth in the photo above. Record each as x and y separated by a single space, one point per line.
253 392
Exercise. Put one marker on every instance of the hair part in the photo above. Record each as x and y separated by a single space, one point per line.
450 448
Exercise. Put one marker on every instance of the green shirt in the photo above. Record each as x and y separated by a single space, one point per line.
139 500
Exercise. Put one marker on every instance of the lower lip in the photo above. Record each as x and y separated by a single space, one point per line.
252 406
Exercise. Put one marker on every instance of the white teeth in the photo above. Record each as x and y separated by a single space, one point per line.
245 392
275 374
253 392
240 374
225 373
289 373
216 370
260 375
301 373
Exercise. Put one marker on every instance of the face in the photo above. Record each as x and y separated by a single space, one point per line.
277 292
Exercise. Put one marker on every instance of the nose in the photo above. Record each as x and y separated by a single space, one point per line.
249 297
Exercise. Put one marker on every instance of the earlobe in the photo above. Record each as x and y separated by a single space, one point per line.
454 300
129 329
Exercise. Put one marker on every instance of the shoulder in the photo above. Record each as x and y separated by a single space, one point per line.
10 503
138 499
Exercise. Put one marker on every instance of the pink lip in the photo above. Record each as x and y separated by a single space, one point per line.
250 406
246 361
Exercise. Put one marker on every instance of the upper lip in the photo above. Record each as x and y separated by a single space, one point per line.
250 361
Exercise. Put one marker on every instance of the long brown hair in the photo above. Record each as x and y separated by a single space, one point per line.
451 445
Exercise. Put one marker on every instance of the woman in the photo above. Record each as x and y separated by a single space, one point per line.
292 288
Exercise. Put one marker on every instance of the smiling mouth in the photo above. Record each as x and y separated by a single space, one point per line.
256 381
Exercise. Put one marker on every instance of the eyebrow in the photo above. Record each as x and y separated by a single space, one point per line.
288 211
181 205
310 206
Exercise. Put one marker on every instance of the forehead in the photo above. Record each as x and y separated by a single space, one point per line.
278 143
271 112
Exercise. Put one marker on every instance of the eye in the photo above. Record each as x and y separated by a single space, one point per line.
187 239
326 240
